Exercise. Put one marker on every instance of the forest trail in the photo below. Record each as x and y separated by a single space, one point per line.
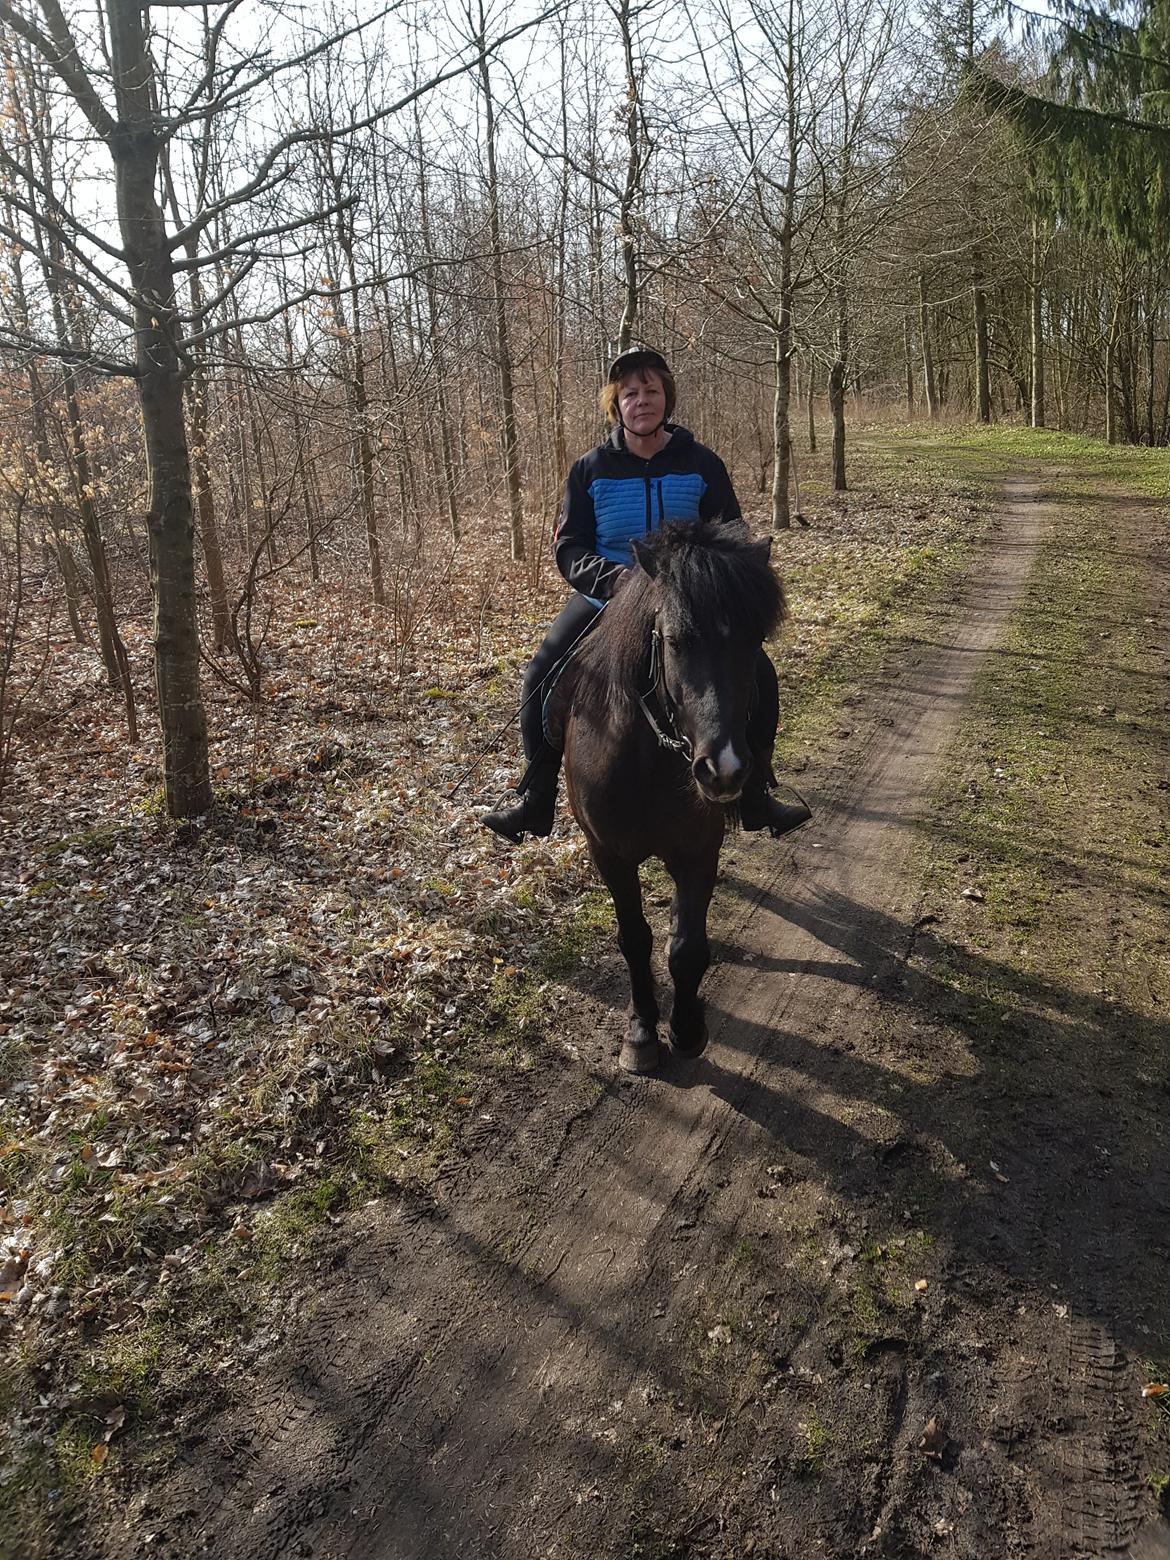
842 1286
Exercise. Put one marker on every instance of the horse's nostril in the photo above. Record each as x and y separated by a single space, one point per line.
704 771
721 774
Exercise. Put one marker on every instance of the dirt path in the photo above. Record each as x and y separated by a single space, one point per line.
716 1311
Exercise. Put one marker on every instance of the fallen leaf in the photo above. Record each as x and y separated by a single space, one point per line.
258 1180
934 1440
12 1269
99 1453
921 1286
1155 1389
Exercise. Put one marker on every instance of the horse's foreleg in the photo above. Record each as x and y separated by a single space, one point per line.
690 952
640 1050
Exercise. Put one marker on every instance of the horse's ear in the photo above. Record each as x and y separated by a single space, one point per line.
763 548
646 558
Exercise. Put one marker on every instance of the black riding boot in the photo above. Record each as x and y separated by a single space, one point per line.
534 812
758 809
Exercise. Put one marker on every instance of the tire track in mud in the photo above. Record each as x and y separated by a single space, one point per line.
1100 1466
474 1380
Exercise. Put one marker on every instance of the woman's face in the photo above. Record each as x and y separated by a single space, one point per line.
642 401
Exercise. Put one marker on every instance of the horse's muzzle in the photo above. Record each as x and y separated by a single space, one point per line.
720 777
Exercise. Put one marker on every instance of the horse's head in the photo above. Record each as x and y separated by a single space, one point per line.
715 599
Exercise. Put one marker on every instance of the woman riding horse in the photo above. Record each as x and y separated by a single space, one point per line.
648 473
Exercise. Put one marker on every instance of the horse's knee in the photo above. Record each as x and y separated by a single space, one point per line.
688 959
636 942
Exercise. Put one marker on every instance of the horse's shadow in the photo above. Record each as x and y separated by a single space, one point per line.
1021 1161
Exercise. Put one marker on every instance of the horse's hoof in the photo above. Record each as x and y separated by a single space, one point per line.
639 1056
688 1049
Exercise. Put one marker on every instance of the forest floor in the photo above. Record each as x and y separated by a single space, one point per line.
332 1229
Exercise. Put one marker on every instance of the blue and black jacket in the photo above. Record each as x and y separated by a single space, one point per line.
613 496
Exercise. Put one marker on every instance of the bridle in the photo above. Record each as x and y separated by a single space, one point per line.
666 730
671 737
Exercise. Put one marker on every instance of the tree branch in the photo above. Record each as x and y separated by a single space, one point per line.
17 341
61 52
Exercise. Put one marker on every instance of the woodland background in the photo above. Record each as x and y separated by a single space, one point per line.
321 305
303 315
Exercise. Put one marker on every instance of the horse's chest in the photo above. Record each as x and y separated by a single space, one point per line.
635 795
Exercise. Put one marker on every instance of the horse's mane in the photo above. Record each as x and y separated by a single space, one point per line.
707 573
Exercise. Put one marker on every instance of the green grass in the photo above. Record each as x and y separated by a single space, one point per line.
96 842
897 541
816 1443
1045 742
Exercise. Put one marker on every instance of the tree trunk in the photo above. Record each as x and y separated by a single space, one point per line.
170 521
363 449
982 374
221 617
782 456
560 324
840 367
929 388
503 344
198 395
113 651
69 335
908 357
812 404
782 323
626 236
1110 355
1036 299
837 412
304 460
1151 351
435 344
61 548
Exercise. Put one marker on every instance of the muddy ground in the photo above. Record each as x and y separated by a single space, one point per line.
884 1272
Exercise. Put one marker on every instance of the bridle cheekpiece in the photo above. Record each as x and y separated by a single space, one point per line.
669 738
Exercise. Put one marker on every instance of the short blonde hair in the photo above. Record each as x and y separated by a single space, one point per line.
608 399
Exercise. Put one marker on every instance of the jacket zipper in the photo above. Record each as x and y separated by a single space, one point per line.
649 510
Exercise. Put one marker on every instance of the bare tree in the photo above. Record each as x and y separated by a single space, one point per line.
477 21
137 119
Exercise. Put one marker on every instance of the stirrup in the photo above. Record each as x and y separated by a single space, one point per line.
779 818
535 811
532 814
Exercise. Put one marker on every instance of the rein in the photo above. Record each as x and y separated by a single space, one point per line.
657 690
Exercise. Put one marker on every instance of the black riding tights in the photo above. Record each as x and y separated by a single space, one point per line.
572 621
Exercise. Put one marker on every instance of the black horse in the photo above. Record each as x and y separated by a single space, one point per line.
656 717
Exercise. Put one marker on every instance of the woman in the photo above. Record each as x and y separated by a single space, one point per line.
648 472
